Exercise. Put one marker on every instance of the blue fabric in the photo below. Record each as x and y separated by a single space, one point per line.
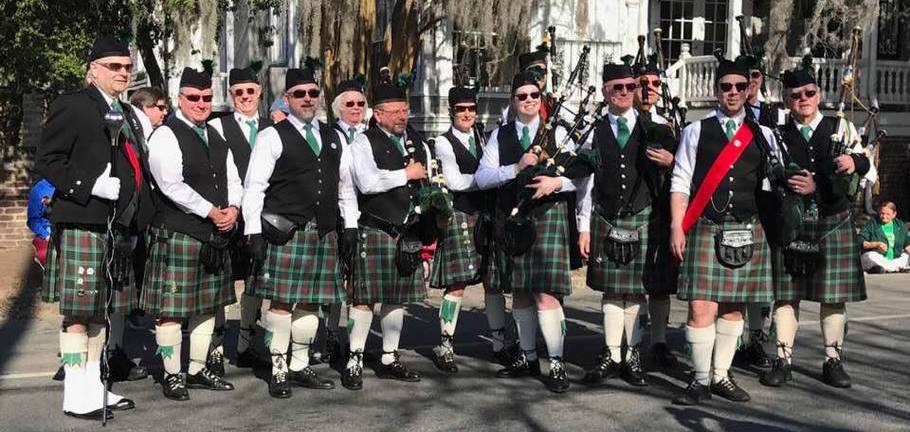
37 212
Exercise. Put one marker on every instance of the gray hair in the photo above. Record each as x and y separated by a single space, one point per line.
336 105
146 97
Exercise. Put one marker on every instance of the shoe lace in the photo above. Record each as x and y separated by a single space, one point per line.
216 357
520 360
786 349
173 381
839 349
281 376
557 368
727 384
634 360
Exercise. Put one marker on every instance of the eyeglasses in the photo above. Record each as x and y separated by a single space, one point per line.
655 83
401 112
249 90
300 94
799 95
629 87
195 98
756 74
740 86
117 67
464 108
537 70
524 96
350 104
160 107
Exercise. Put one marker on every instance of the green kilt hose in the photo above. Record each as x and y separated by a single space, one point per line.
75 275
545 268
703 277
650 272
305 270
376 278
175 284
456 260
839 276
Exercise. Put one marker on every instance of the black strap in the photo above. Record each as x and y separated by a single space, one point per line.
383 225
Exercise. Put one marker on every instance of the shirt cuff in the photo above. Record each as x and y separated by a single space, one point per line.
350 223
584 223
202 209
251 227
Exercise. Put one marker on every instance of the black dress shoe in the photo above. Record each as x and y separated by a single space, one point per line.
396 370
124 369
557 380
352 378
279 387
520 367
728 389
123 405
631 369
308 378
502 357
695 394
215 363
332 349
445 361
663 357
207 380
250 359
605 368
834 375
92 415
779 374
752 354
174 387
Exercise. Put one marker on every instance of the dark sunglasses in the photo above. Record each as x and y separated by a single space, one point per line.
523 96
467 108
799 95
350 104
195 98
239 92
755 74
300 94
740 87
537 70
160 107
655 83
117 67
629 87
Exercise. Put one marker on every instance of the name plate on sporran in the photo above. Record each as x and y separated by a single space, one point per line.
735 247
622 245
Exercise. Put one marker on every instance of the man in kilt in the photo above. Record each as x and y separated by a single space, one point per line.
716 234
291 206
188 276
94 183
618 200
539 277
389 163
835 276
241 131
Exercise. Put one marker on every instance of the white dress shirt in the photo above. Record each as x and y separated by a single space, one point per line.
850 134
241 121
265 155
445 153
166 165
368 177
144 121
358 129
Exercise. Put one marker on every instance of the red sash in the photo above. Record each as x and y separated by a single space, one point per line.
133 158
727 157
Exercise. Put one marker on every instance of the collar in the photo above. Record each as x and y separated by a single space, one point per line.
722 117
629 115
107 98
183 118
532 126
243 119
359 127
812 123
462 136
300 124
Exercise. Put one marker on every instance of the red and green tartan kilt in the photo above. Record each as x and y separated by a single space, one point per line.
492 278
649 273
703 277
545 268
376 278
456 260
839 276
305 270
75 275
175 284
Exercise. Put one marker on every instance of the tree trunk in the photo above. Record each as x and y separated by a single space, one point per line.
778 28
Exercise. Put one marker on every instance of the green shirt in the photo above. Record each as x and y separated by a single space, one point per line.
888 229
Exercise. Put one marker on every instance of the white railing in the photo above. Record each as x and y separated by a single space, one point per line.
892 82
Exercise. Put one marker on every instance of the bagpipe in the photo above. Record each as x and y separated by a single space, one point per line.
844 140
671 109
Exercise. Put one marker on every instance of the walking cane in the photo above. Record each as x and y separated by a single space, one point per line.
113 122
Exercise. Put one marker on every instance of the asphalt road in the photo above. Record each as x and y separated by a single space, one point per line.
877 356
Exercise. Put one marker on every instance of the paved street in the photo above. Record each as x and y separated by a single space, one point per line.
877 353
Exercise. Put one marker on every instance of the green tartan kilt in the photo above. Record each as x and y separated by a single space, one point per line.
493 281
305 270
649 273
839 276
544 268
376 278
75 275
703 277
456 261
175 284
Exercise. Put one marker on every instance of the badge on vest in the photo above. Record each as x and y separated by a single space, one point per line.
735 247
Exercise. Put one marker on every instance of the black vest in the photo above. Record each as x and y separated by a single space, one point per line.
204 170
736 193
237 141
510 152
303 185
815 156
622 183
467 202
766 114
392 205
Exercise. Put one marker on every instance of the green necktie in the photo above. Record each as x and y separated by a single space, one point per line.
352 131
472 146
806 131
254 130
125 129
525 138
311 139
397 140
731 129
622 137
201 132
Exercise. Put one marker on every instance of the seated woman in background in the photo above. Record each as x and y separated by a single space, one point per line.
885 242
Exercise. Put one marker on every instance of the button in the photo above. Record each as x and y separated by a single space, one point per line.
319 170
731 178
622 176
470 266
364 235
363 254
731 166
623 186
71 191
465 232
78 182
622 156
464 225
622 165
731 193
738 143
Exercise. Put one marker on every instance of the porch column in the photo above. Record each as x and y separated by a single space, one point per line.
734 9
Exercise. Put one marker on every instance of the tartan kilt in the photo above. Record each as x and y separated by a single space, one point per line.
75 275
305 270
649 273
703 277
839 276
376 278
544 268
175 284
456 260
493 281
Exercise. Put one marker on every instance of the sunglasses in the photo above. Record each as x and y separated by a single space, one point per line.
524 96
401 112
799 95
466 108
538 70
117 67
655 83
195 98
351 104
755 74
740 87
239 92
160 107
629 87
300 94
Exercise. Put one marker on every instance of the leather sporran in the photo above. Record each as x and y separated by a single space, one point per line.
214 253
518 235
483 234
407 254
735 247
277 229
802 258
622 245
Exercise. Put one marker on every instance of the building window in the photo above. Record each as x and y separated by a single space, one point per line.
889 29
700 23
471 52
676 21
